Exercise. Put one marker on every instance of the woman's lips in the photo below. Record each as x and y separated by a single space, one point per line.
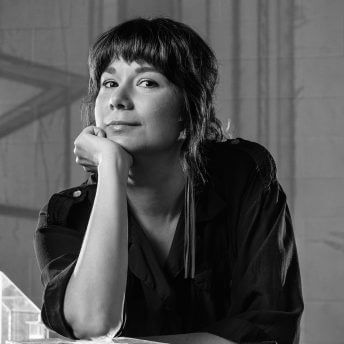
123 123
119 126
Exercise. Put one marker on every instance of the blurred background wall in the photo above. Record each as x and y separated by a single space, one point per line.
281 84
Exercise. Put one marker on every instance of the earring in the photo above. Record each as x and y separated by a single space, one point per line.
182 135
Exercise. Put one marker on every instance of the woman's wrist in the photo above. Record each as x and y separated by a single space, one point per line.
112 166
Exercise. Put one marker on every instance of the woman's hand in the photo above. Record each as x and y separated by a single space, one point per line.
94 298
92 148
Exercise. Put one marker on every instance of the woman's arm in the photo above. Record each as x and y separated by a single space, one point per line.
265 285
94 298
190 338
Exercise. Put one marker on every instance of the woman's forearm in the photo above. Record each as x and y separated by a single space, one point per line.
190 338
95 293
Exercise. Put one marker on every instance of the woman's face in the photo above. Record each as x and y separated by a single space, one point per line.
138 107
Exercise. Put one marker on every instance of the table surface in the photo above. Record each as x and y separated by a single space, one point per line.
118 340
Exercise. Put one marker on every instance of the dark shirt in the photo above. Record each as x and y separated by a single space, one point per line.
247 282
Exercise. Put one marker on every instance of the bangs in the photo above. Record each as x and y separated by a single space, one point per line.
137 41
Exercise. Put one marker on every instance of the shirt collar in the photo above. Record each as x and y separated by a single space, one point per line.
209 203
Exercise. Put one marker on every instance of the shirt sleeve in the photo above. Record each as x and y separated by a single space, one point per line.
57 248
266 297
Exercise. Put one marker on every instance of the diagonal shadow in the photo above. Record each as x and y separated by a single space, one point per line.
58 90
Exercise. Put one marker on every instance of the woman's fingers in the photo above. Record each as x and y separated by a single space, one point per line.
89 130
84 162
85 144
90 168
99 132
93 130
92 145
86 165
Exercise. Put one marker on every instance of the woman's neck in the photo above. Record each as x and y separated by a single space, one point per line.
155 186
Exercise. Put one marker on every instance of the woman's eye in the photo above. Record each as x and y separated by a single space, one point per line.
148 83
109 83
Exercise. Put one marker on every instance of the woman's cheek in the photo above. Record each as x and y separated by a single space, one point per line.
99 111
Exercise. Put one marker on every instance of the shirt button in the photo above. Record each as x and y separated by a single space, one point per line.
77 193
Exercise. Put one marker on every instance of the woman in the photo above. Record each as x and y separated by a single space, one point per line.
178 235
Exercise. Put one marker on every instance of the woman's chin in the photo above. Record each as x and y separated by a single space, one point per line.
136 146
130 145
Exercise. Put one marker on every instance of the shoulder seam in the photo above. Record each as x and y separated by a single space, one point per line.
264 162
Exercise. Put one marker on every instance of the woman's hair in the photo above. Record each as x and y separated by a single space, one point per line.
182 56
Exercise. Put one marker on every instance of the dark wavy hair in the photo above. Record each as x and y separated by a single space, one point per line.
180 54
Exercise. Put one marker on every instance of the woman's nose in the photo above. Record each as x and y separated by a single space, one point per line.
120 100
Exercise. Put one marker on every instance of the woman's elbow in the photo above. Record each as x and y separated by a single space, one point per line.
88 327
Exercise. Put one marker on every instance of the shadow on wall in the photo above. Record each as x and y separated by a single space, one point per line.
57 89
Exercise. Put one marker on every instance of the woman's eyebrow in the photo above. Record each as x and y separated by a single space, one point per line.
141 69
110 70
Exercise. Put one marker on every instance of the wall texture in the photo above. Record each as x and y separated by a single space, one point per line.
281 84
